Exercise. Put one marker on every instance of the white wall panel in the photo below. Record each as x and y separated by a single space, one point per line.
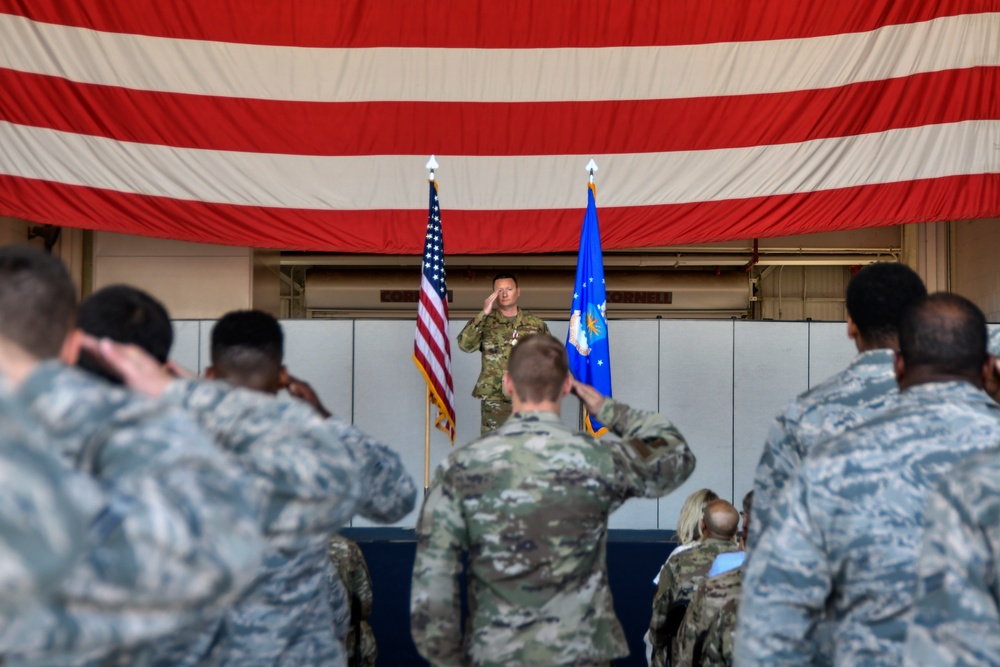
205 347
696 393
187 344
322 353
635 380
770 369
830 350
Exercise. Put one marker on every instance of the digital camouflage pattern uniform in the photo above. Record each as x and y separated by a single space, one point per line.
45 509
312 475
495 335
706 605
530 504
846 543
717 651
679 578
957 612
866 387
179 539
352 571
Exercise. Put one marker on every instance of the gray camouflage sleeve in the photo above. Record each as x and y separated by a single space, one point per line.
653 451
435 607
957 609
285 444
777 464
389 493
42 523
785 588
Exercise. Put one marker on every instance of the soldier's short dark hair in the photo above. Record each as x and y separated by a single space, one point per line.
538 367
946 333
127 315
248 344
505 276
37 300
878 296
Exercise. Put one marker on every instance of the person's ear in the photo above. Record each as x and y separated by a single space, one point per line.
210 373
899 367
567 386
283 377
990 380
508 384
852 329
70 352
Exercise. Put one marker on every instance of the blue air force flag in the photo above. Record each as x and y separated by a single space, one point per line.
587 340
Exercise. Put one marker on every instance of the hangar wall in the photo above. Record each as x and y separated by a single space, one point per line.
720 381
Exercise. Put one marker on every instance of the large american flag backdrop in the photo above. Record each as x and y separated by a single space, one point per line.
305 124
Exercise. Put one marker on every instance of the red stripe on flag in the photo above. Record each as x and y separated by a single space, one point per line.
511 24
532 231
541 128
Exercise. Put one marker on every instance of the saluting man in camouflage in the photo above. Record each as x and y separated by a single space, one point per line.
957 612
313 473
845 547
681 575
712 595
530 504
181 535
495 331
876 299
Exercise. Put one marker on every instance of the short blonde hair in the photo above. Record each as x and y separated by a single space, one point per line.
689 522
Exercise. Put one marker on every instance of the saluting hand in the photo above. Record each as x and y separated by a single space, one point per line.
592 399
303 391
490 300
137 369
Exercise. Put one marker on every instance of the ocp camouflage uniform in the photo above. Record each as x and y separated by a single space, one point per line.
845 538
179 539
495 335
351 569
709 599
530 504
717 651
312 475
679 578
859 392
957 610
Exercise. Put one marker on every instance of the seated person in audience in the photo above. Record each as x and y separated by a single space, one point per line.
688 534
957 608
182 537
313 474
350 566
844 542
529 503
681 575
707 603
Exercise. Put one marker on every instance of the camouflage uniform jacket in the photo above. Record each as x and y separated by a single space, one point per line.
312 475
352 571
957 612
180 539
45 508
844 541
679 578
706 605
530 503
717 650
851 397
495 335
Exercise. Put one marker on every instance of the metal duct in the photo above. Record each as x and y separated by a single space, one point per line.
366 292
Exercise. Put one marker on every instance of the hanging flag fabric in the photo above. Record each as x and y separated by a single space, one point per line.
294 125
432 346
587 339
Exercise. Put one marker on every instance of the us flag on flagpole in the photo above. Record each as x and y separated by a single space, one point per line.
431 346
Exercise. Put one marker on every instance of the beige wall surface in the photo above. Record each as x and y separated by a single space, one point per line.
975 270
194 281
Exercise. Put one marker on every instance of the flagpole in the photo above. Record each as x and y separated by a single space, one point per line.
431 166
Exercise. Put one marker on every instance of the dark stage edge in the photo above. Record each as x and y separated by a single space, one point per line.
634 558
